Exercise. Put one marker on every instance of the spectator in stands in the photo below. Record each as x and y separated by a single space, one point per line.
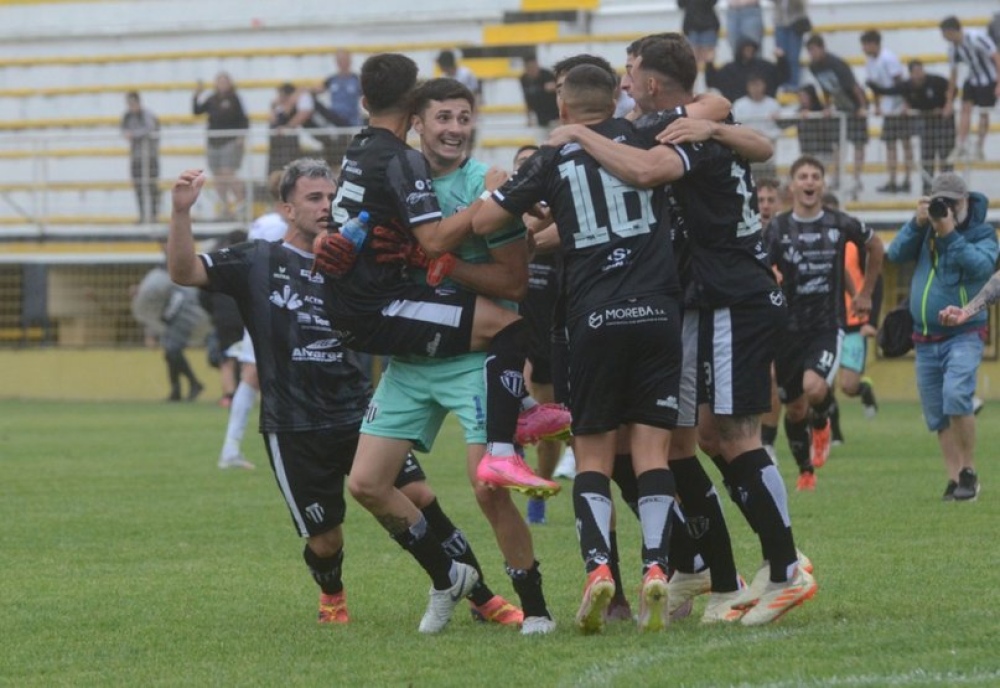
171 314
141 128
925 96
883 69
818 133
843 94
344 89
731 79
791 24
701 28
449 67
954 250
539 88
227 124
760 111
744 22
981 89
291 109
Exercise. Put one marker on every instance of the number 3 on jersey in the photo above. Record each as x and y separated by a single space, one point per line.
625 218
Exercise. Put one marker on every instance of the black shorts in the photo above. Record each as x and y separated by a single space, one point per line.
896 127
560 354
692 388
857 129
310 468
982 96
624 365
802 351
736 349
430 321
537 310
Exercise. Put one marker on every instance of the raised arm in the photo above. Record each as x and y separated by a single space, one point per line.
446 235
987 296
644 169
745 141
505 278
861 304
183 263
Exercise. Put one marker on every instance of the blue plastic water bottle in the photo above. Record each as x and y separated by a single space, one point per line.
356 230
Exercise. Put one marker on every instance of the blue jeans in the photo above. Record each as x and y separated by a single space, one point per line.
744 23
791 43
946 377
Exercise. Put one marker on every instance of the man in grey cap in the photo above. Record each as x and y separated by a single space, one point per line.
954 250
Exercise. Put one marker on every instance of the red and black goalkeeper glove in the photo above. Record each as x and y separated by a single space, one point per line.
393 244
439 268
335 255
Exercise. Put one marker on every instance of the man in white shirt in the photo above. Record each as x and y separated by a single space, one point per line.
883 69
760 111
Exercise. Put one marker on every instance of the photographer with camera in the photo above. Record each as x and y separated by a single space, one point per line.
954 249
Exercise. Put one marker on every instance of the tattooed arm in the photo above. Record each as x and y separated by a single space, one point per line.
987 296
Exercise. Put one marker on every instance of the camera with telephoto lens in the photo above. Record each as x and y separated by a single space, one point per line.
939 207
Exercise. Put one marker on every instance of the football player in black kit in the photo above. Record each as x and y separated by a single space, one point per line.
741 311
623 319
314 391
806 245
381 311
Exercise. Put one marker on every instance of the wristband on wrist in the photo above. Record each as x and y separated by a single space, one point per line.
486 195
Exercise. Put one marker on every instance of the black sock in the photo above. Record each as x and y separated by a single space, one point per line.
592 506
614 563
768 434
505 381
684 554
528 586
834 415
455 545
624 477
727 482
797 433
705 522
759 485
867 394
426 549
821 411
326 571
657 494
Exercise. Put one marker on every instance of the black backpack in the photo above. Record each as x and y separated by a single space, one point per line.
895 336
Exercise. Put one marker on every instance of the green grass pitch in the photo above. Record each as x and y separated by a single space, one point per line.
128 559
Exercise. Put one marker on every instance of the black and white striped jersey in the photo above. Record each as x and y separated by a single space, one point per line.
976 50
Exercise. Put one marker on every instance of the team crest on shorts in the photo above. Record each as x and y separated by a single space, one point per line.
315 512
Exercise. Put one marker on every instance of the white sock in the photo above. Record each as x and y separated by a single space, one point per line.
500 449
244 398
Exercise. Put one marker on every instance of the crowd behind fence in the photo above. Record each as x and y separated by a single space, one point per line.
90 185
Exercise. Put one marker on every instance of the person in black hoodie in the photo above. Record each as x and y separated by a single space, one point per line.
926 95
731 79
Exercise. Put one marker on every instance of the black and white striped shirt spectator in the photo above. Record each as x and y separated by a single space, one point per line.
976 50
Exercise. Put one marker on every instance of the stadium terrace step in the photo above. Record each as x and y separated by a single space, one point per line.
568 16
542 6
